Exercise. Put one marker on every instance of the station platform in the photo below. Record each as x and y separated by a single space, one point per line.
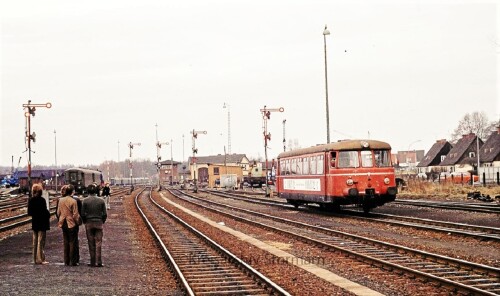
129 268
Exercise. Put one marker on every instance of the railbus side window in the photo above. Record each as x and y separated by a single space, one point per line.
299 166
314 164
366 159
287 164
306 166
382 158
321 165
333 159
348 159
293 169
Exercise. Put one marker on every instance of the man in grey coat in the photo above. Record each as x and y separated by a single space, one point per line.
94 215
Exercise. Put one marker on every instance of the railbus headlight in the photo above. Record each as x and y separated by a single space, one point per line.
386 181
349 182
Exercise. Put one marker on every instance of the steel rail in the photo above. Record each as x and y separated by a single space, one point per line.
225 253
457 266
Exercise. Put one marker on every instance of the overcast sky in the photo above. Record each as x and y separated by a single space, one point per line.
404 72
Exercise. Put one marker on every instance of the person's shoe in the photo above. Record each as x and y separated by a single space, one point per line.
91 265
100 265
44 262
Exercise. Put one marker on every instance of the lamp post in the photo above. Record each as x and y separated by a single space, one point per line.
226 106
131 146
325 33
266 115
195 150
30 111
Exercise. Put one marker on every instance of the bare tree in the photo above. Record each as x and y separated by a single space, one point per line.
476 123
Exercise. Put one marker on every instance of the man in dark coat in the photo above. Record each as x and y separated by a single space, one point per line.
94 215
40 223
106 192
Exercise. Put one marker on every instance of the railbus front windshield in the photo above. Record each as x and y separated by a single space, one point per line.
74 176
364 158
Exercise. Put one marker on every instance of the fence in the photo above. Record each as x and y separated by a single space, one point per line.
489 175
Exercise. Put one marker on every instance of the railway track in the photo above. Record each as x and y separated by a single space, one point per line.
471 207
475 231
459 275
201 265
19 220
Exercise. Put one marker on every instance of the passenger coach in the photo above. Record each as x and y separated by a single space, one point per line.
81 178
348 172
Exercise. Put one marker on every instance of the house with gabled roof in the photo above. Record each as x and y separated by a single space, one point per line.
462 158
489 155
433 158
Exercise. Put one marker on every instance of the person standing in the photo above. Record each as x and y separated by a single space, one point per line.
106 191
70 190
40 223
94 215
67 210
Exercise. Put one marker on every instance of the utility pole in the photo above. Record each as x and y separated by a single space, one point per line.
30 111
326 33
266 115
226 106
195 150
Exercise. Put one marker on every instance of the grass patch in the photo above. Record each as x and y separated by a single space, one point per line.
444 190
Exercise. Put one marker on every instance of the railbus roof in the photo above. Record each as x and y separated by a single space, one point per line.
340 145
84 170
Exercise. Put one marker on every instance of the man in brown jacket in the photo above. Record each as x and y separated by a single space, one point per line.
69 219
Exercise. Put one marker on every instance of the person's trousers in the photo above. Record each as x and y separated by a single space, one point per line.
39 246
94 237
70 236
106 201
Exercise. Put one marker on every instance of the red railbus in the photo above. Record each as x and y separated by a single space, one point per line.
348 172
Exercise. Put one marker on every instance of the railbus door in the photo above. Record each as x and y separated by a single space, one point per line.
330 164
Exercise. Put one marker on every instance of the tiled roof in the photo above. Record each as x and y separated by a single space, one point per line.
456 154
433 156
490 151
219 159
167 162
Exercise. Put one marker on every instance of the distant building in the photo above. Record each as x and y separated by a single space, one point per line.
169 172
437 153
228 160
409 159
462 158
489 155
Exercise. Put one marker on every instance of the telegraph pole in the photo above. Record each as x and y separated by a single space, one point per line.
30 111
266 115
